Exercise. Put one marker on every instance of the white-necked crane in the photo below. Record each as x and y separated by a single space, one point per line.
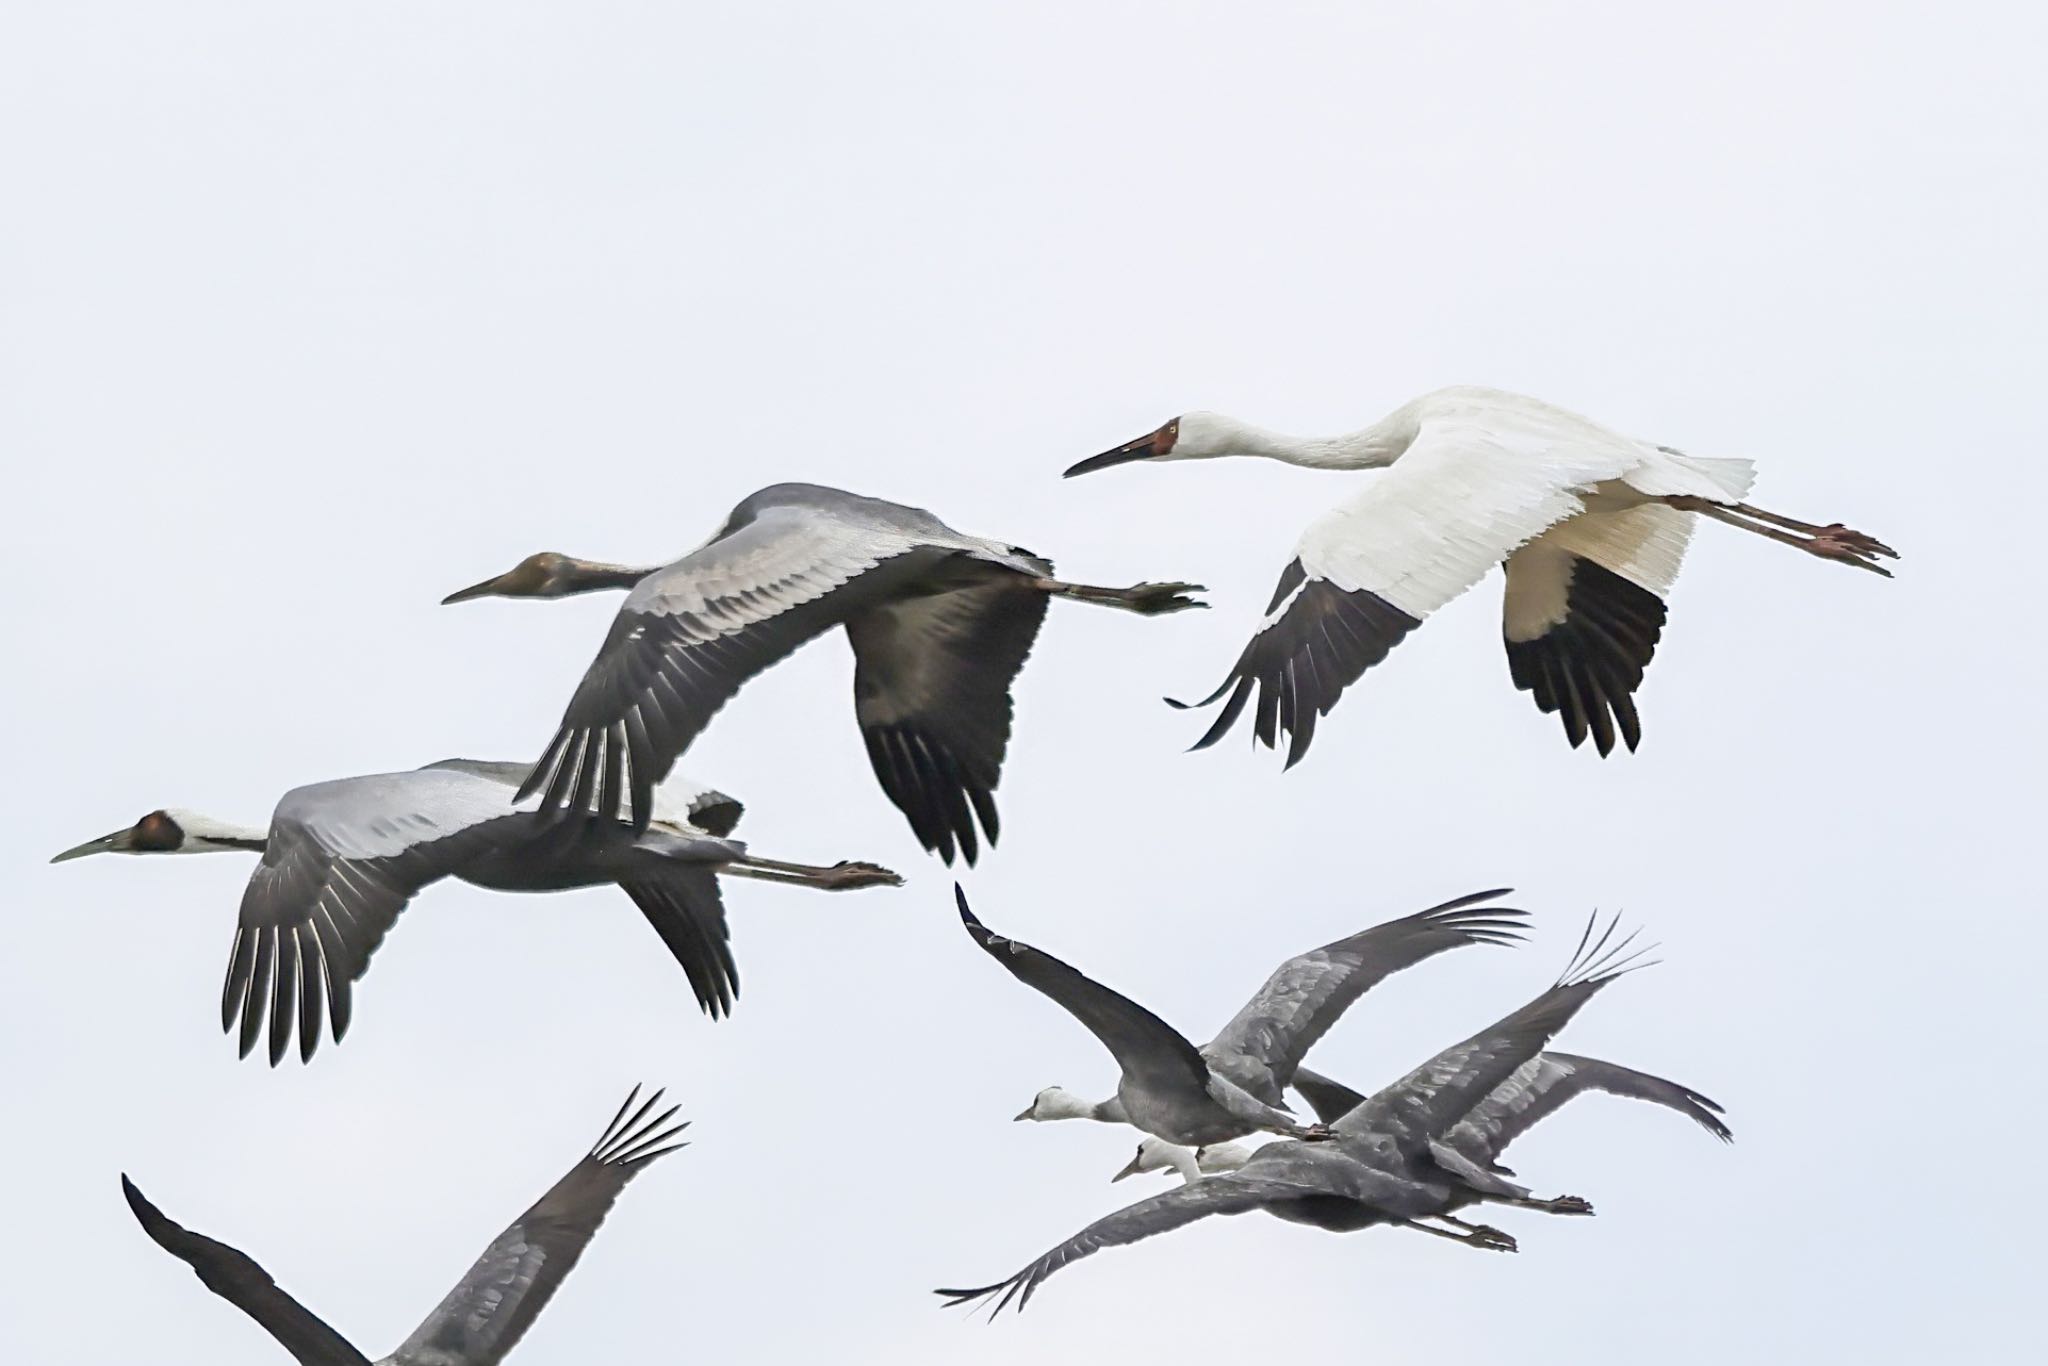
487 1313
341 859
1588 524
1232 1085
940 624
1418 1151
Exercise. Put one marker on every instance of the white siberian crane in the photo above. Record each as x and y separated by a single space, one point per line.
1589 525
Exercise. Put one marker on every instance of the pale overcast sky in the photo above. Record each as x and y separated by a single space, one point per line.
310 313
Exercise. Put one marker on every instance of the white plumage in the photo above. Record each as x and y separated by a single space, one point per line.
1590 524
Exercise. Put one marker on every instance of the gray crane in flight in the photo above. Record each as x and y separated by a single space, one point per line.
1411 1155
940 624
342 859
494 1304
1539 1088
1232 1085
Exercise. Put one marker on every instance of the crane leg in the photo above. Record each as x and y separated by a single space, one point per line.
1481 1236
1563 1204
1146 599
840 877
1831 542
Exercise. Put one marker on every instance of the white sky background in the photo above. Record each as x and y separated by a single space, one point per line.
311 314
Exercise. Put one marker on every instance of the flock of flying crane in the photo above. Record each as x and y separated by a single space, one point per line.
1589 526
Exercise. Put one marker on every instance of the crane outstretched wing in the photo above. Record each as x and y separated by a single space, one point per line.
1296 1006
1465 495
1538 1087
342 860
932 695
497 1300
1445 1089
686 639
236 1278
1228 1193
683 903
1583 611
1149 1050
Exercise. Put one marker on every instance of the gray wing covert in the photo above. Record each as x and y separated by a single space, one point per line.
485 1315
1265 1041
932 695
342 860
688 637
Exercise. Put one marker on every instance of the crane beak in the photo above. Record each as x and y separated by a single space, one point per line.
1150 446
1026 1114
118 842
1130 1169
498 587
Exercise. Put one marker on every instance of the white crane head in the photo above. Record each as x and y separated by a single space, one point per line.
1204 436
1157 1155
1057 1102
170 831
1191 436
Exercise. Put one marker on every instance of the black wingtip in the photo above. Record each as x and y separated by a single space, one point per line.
966 912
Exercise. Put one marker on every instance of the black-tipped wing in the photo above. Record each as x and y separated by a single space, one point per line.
1445 1089
1148 1049
1229 1193
342 860
236 1278
932 695
1582 614
1317 640
497 1301
1265 1041
689 636
683 903
1465 494
1538 1087
1330 1100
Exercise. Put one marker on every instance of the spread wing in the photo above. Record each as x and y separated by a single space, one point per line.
683 903
1465 495
236 1278
1228 1193
932 695
1445 1089
342 860
1148 1049
1538 1087
1582 614
1263 1044
686 639
483 1317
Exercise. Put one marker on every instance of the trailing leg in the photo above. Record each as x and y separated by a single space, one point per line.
1146 599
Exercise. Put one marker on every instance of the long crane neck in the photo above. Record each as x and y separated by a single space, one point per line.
589 576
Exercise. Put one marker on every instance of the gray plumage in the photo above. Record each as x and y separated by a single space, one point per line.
940 623
342 859
1233 1085
496 1301
1388 1163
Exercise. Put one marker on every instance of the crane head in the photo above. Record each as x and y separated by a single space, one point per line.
171 832
546 575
